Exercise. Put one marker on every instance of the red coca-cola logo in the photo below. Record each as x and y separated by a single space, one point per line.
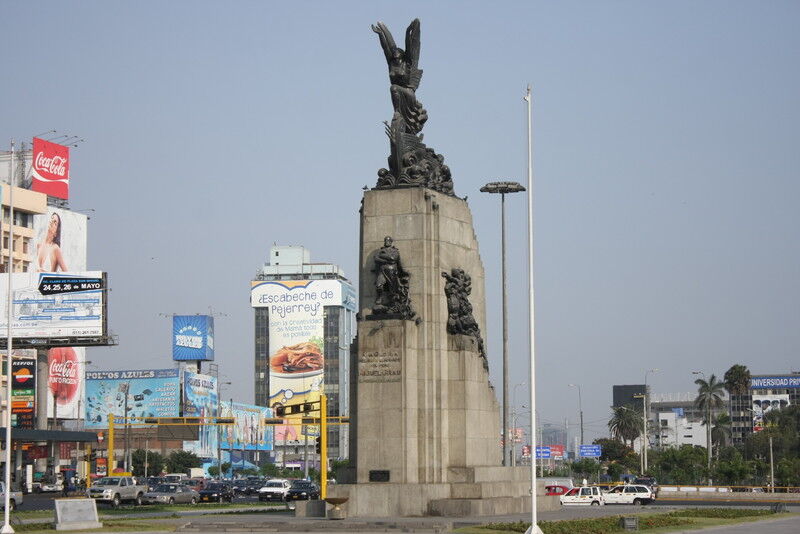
56 165
50 169
63 379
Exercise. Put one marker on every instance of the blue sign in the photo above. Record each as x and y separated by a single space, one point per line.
590 451
775 382
192 338
543 452
678 412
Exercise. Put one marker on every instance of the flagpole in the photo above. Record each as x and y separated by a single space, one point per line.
534 528
7 528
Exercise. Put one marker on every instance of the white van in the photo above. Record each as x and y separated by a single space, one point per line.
175 478
586 496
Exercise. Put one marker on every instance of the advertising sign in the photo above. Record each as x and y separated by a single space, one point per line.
101 466
192 337
526 451
516 434
556 451
23 389
50 168
775 382
66 382
200 397
147 393
764 404
248 431
296 344
590 451
59 242
69 306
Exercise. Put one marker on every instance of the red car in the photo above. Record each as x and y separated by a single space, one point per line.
555 490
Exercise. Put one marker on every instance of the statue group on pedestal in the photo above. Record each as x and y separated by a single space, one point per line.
411 163
457 289
391 283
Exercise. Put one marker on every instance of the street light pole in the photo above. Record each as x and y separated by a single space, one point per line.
646 443
644 439
580 408
503 188
7 528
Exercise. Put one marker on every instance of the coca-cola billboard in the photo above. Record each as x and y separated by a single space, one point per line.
65 381
50 168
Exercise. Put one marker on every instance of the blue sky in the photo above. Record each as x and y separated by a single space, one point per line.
665 146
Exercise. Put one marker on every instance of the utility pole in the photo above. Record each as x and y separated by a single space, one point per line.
7 528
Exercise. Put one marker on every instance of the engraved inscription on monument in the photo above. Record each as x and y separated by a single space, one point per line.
379 366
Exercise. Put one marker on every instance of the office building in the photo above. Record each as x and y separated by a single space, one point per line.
766 393
304 325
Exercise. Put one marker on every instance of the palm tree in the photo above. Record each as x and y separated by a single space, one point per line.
737 379
720 431
625 424
709 398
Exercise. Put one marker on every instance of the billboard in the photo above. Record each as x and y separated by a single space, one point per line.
50 168
69 306
59 241
248 431
192 337
66 382
148 392
775 382
296 342
763 404
200 398
23 388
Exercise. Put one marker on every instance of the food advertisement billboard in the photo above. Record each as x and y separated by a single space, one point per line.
66 382
23 388
59 241
192 337
296 343
146 392
200 397
50 168
69 306
764 404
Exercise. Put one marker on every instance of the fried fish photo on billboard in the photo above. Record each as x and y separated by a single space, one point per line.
299 358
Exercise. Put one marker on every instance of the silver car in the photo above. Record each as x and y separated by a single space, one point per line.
171 494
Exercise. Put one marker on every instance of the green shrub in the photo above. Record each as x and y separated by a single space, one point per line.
721 513
599 525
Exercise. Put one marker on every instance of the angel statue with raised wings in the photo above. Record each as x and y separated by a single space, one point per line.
411 163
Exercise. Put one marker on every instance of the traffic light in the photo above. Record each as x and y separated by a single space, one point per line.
319 444
93 456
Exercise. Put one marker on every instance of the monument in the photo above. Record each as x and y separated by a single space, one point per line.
425 421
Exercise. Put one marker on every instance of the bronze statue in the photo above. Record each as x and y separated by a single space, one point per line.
391 284
411 163
460 320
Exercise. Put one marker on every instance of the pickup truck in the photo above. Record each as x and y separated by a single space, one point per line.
15 499
115 490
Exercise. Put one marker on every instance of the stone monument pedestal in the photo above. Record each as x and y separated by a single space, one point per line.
426 421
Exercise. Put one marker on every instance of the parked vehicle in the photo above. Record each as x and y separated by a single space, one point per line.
556 490
650 482
171 494
116 490
586 496
302 490
154 482
194 484
216 492
174 478
50 487
274 490
630 494
14 498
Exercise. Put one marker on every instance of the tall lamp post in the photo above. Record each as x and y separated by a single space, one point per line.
504 188
646 442
9 343
580 407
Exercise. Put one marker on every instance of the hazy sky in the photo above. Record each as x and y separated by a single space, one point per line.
665 147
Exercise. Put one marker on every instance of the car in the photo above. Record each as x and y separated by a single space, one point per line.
154 482
630 494
650 482
171 494
556 490
194 484
583 496
274 490
49 487
302 490
14 498
216 492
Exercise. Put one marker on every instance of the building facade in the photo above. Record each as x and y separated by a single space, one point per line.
766 393
303 311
